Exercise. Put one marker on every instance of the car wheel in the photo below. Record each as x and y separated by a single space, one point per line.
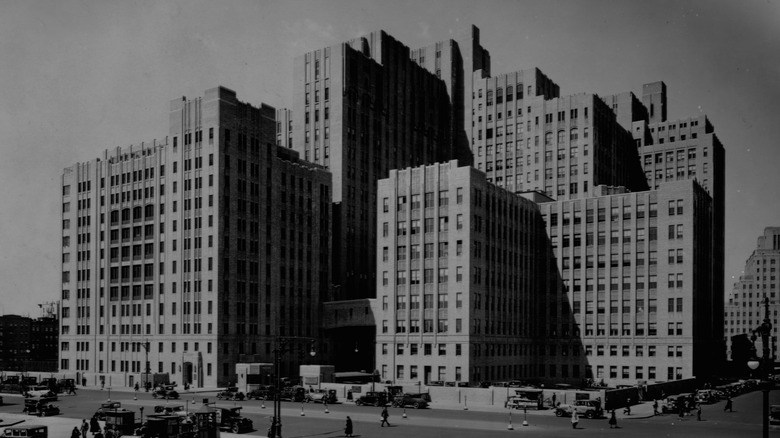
418 405
589 414
558 413
358 403
234 428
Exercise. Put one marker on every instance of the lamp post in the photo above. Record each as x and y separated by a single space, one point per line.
765 364
282 346
145 344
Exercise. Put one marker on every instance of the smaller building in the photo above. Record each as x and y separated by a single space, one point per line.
745 310
28 344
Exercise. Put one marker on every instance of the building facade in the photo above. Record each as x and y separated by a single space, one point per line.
745 310
457 265
361 108
180 256
635 276
28 344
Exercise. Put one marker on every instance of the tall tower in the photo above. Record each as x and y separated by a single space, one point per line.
361 108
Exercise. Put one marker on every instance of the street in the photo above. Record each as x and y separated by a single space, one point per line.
450 421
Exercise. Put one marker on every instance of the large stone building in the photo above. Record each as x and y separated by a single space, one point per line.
192 251
458 278
745 309
635 280
361 108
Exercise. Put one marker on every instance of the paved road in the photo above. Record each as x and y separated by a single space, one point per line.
449 421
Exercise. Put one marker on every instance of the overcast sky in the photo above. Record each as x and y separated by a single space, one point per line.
78 77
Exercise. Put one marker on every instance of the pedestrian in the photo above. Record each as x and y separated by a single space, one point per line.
627 409
729 405
698 413
574 419
75 433
102 384
94 426
384 416
612 420
348 427
682 410
655 407
84 428
136 386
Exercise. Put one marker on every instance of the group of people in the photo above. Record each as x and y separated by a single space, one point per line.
92 427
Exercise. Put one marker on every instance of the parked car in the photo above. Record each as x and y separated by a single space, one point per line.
230 393
584 408
372 399
412 400
265 392
100 414
40 391
293 393
321 396
706 396
169 410
673 403
168 394
231 420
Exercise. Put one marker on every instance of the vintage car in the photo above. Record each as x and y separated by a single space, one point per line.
673 403
100 414
409 400
230 393
262 393
372 399
293 393
165 393
584 408
707 396
40 406
321 396
27 431
231 420
40 391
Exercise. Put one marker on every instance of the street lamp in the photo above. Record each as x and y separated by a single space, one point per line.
765 364
282 346
145 344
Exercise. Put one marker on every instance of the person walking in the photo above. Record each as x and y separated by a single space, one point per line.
84 428
698 412
613 421
627 409
729 405
655 407
75 433
348 427
384 416
575 419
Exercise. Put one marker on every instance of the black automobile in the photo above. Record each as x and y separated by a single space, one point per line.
373 399
168 394
293 393
100 414
231 420
230 393
413 400
261 393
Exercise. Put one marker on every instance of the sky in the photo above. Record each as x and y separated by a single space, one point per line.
78 77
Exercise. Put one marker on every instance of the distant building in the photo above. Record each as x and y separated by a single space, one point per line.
28 344
208 245
745 307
